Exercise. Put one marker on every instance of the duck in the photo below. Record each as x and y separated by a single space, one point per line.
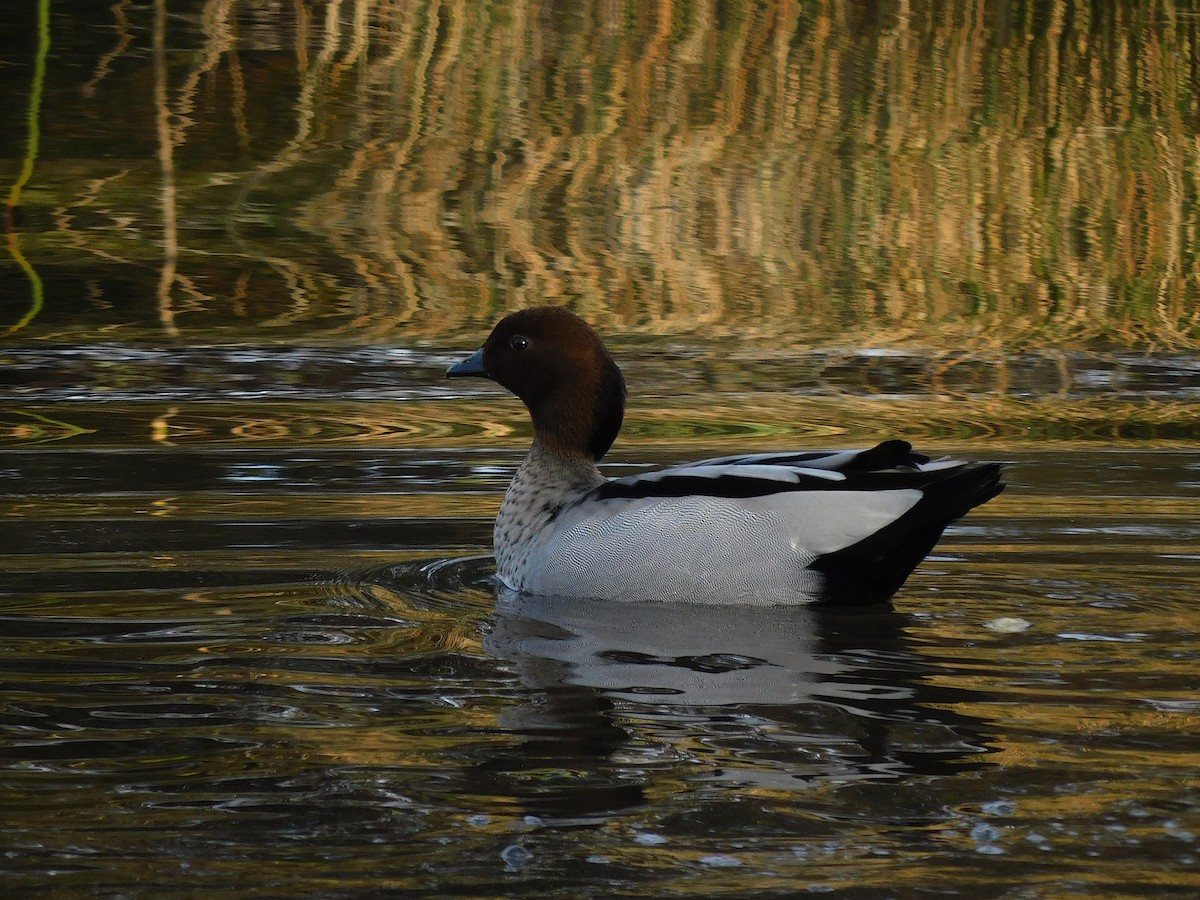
832 528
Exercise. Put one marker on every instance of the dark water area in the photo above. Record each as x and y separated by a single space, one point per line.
249 638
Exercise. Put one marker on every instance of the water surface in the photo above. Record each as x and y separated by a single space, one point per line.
248 635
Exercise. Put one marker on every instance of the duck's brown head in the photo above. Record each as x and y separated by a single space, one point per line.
557 365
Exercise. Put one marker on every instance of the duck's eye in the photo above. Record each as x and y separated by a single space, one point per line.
518 342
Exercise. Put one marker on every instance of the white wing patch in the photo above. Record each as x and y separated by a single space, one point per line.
819 473
816 460
939 465
786 474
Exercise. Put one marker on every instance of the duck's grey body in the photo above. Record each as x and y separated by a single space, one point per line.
734 530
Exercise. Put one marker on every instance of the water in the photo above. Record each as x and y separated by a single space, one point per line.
238 659
248 637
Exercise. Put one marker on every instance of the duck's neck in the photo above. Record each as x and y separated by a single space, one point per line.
545 482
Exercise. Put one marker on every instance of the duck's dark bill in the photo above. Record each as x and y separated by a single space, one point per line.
472 365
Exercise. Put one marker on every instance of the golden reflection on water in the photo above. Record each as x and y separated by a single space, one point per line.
704 424
994 174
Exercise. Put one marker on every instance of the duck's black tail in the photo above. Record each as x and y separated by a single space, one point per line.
872 570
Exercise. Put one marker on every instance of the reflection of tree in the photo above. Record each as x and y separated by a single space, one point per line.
990 175
120 13
733 165
166 158
32 143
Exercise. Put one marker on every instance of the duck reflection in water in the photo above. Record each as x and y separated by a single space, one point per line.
771 697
